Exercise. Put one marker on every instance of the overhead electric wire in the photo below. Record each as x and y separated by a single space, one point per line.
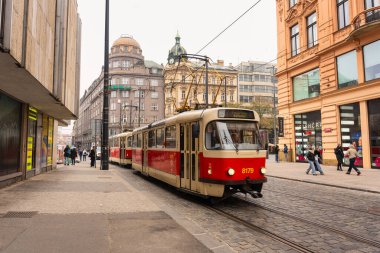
225 29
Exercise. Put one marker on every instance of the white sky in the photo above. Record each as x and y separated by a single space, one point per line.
154 25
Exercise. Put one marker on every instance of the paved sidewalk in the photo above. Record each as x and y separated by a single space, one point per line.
82 209
368 181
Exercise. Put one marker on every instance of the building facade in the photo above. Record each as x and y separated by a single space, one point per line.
185 82
39 82
328 77
136 95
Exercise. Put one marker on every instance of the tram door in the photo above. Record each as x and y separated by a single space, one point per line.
145 153
122 149
189 157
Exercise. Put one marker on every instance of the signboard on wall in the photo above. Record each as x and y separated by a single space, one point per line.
280 126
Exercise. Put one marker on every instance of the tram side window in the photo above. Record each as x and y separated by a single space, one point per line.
160 138
170 137
115 142
212 137
129 142
134 141
152 139
139 141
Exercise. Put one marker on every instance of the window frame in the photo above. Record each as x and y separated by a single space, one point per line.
295 51
313 27
337 69
338 5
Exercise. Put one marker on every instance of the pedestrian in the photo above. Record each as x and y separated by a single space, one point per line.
276 150
84 154
73 155
80 154
92 157
310 158
317 155
67 155
339 156
352 154
286 152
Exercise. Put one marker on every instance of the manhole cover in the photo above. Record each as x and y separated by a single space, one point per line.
28 214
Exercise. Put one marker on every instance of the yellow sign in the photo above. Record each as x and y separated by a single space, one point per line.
29 154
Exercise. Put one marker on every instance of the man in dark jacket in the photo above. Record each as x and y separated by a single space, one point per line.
73 155
339 156
67 155
276 150
311 158
92 157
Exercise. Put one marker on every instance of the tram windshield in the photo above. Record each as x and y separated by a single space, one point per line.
232 135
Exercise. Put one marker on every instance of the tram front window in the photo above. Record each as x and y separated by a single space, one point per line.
232 135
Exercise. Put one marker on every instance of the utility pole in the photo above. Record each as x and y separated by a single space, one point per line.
225 91
105 161
206 82
274 105
139 106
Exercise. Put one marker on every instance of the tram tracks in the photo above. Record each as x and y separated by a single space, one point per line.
324 202
350 235
293 245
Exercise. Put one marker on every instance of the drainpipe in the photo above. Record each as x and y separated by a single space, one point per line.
24 33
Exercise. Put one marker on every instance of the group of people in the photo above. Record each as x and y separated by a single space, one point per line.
71 154
351 154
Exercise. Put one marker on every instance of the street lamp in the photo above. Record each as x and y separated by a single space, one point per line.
272 68
120 109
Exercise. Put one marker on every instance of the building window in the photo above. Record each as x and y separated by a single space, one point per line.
183 78
223 96
204 96
213 96
154 71
139 81
306 85
347 69
308 133
231 97
350 130
372 60
113 106
343 13
116 64
124 80
113 94
153 82
154 107
292 3
125 94
213 80
374 131
294 39
312 35
183 94
154 94
372 15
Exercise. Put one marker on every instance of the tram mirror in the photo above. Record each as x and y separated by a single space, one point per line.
195 130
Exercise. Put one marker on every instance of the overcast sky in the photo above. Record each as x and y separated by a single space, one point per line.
154 25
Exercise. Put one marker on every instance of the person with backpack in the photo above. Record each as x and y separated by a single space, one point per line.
317 157
84 154
67 155
311 158
286 152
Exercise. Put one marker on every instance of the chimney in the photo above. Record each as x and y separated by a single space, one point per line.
220 63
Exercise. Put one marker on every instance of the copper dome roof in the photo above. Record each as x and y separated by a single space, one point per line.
126 40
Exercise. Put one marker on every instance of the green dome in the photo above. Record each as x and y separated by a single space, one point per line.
176 50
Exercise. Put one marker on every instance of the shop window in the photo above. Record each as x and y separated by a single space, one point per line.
350 130
374 134
44 141
306 85
308 134
372 60
347 69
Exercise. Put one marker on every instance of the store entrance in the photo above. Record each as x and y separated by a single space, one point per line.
308 134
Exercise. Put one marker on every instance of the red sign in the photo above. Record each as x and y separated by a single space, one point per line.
327 130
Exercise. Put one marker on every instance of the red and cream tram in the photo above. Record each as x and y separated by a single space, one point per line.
213 152
121 148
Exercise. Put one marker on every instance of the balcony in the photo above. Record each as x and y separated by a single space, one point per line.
365 21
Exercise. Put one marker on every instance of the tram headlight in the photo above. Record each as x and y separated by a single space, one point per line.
231 172
263 170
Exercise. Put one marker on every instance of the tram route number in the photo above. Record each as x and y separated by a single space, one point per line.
247 170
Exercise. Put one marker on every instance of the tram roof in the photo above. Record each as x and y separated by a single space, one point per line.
121 135
190 116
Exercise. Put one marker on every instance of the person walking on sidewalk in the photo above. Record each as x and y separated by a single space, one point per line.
84 154
276 150
92 157
317 155
352 154
80 154
339 156
286 152
73 155
67 153
310 158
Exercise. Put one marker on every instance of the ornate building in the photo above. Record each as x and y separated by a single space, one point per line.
328 77
133 80
185 82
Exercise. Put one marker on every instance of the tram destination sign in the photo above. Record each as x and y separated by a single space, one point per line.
236 114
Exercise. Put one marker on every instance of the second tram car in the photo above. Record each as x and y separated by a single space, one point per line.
121 148
213 152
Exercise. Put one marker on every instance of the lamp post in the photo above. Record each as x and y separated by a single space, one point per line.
120 110
105 92
272 68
